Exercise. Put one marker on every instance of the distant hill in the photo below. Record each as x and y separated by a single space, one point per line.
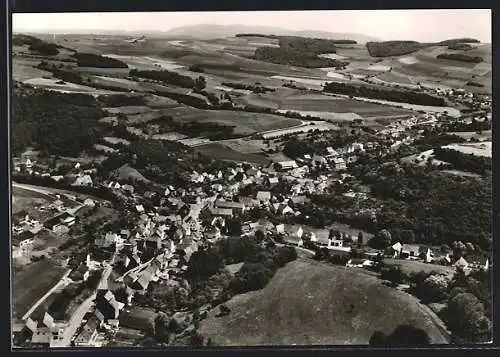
218 31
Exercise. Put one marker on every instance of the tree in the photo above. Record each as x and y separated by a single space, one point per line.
200 83
381 240
434 288
360 238
378 339
239 176
394 274
407 335
234 227
161 329
465 317
407 236
259 235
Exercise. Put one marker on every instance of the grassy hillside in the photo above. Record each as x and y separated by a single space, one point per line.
314 303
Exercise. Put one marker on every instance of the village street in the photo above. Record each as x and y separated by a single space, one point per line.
76 320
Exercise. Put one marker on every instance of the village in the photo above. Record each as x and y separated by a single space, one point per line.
168 226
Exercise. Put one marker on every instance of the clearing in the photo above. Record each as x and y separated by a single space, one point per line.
412 266
479 149
31 284
223 152
308 302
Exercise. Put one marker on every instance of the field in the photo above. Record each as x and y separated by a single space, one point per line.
28 287
244 122
222 152
479 149
127 172
322 105
411 266
484 136
28 201
22 198
308 302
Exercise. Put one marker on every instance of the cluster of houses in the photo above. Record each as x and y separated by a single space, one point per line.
427 255
77 176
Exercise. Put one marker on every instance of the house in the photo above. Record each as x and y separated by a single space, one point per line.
272 181
236 207
320 237
139 208
299 200
294 231
359 263
280 228
287 165
263 196
356 147
89 202
284 209
410 251
88 333
395 249
295 240
250 202
331 152
319 160
107 307
335 243
253 172
128 188
84 180
221 212
25 239
42 337
461 263
428 256
339 163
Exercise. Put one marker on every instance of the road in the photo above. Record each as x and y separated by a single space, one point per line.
46 192
75 321
139 267
61 283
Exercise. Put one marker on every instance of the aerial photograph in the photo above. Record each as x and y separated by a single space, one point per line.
274 178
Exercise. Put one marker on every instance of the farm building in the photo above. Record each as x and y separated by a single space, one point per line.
287 165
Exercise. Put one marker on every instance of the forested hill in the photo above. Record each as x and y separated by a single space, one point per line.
399 48
55 123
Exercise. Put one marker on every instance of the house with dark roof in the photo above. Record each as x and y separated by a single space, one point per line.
236 207
88 333
107 307
410 251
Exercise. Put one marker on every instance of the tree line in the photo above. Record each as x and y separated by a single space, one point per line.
460 57
402 96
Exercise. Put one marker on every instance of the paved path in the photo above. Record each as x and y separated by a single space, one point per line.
76 320
43 191
59 284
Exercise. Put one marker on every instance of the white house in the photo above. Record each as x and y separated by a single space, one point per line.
287 165
461 263
84 180
280 228
139 208
339 163
89 202
263 196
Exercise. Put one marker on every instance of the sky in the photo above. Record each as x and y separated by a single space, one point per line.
417 25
